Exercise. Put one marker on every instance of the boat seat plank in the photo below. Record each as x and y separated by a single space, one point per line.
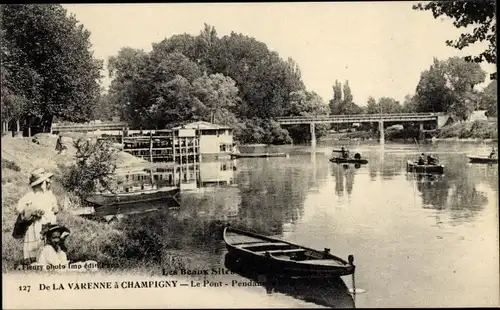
248 242
282 251
328 262
265 243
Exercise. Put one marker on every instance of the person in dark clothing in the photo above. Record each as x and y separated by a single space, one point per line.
421 159
493 153
431 160
345 153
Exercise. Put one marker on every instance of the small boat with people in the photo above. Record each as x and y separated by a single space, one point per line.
341 160
346 158
425 164
112 199
491 159
482 160
282 258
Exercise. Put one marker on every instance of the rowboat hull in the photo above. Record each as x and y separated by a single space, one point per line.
132 198
414 167
276 259
482 160
257 155
340 160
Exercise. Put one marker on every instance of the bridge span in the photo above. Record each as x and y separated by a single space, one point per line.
438 118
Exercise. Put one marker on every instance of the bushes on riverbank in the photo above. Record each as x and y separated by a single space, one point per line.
478 129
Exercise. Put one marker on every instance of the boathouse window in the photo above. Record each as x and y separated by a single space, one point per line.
209 132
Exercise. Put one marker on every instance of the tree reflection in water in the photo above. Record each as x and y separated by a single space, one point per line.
273 193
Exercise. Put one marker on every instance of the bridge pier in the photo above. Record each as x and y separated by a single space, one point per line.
421 134
381 131
313 134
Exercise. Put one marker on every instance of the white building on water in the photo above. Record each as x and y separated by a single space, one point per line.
214 140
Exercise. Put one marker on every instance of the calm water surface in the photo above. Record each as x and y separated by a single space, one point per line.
417 242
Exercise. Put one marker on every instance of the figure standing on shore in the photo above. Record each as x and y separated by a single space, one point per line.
37 207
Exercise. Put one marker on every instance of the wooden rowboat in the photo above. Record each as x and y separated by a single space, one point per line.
341 160
133 197
415 167
482 160
245 155
284 259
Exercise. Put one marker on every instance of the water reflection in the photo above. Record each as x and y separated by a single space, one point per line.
186 176
331 292
285 197
456 191
344 174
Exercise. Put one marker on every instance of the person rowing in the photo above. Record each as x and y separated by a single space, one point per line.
345 153
493 153
421 159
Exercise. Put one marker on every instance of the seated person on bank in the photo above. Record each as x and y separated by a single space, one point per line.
53 255
54 251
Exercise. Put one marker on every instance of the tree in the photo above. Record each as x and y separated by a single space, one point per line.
481 15
94 169
488 100
219 95
130 87
49 56
372 106
409 105
347 94
389 105
461 79
224 80
335 103
448 86
105 108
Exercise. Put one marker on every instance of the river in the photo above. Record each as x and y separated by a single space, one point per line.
416 242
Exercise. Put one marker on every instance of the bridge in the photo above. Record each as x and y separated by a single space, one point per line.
88 127
439 120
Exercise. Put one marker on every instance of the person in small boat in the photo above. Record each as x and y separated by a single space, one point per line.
431 160
493 153
344 152
421 159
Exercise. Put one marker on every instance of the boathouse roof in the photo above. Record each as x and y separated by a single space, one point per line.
202 125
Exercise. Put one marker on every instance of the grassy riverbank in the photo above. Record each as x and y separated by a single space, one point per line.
107 244
479 129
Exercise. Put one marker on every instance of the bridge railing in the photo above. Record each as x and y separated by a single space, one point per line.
58 127
354 117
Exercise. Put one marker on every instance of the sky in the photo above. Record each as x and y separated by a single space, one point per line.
381 48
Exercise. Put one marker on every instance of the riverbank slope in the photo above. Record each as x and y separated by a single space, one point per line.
89 239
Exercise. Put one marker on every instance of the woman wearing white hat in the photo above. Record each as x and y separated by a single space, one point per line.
37 207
